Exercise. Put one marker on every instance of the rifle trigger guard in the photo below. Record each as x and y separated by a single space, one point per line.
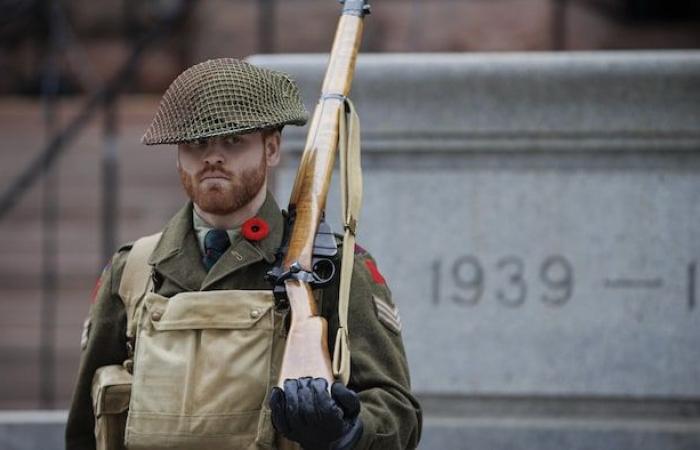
295 272
323 269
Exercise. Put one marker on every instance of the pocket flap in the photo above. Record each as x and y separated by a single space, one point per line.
210 310
111 390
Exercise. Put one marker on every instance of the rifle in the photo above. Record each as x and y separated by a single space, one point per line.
299 268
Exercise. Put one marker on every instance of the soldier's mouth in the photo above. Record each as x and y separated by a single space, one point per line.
214 176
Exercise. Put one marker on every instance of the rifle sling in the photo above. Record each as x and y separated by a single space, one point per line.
351 202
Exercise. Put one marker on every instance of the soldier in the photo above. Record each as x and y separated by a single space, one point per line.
210 337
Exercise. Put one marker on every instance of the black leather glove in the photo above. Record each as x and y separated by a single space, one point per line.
306 413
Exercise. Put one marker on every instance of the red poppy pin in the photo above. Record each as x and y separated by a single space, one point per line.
255 229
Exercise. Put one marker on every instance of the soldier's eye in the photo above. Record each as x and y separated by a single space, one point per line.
231 140
196 144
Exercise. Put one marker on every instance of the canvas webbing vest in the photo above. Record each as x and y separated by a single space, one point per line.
203 365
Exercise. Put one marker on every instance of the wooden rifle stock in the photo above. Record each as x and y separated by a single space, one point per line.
306 352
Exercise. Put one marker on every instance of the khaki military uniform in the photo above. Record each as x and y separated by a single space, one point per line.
379 371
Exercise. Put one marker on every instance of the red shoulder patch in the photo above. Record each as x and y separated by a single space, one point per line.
96 289
376 275
98 284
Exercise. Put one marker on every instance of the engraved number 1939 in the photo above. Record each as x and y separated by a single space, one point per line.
463 281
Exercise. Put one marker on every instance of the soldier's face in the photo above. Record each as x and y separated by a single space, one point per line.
223 174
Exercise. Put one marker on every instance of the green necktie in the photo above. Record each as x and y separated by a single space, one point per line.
216 242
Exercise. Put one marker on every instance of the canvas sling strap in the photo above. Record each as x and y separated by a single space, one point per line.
136 280
351 202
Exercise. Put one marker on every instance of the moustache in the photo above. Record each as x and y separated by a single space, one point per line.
213 171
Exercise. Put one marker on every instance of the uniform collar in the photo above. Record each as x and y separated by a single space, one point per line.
201 228
177 255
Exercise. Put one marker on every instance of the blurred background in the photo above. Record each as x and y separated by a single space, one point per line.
85 43
80 80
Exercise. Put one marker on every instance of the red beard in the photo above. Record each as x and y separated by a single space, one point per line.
227 196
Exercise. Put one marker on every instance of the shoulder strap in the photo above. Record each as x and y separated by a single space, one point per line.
351 202
136 278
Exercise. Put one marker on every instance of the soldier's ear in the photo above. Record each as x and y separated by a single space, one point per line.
272 143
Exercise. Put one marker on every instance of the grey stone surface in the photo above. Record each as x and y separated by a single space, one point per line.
43 430
536 216
558 434
556 269
32 430
516 101
524 279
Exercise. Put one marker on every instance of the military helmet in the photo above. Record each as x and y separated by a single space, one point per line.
223 97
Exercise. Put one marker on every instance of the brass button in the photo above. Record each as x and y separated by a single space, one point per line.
255 313
155 316
129 366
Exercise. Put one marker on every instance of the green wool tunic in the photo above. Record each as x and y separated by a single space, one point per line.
379 371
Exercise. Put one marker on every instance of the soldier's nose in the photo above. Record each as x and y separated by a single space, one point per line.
213 157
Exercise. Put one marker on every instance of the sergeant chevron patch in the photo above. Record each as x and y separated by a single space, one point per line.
388 314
